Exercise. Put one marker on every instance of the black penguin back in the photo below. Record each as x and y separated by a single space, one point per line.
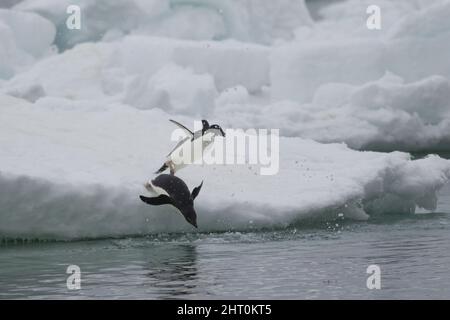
175 187
179 194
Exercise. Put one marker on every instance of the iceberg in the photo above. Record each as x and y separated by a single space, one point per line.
386 114
18 50
106 69
329 80
403 47
84 115
71 169
255 21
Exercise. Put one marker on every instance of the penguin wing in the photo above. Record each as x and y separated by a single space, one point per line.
196 191
178 145
197 134
157 201
188 132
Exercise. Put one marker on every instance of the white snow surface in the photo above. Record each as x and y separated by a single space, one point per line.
312 79
18 49
75 169
257 21
84 113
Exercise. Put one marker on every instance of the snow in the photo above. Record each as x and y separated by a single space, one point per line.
256 21
116 68
384 114
312 79
297 71
17 49
88 164
84 113
403 48
176 89
23 24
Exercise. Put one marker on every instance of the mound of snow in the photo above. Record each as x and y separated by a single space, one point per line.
23 25
387 114
76 74
175 89
236 95
347 19
419 43
331 81
97 18
297 71
136 70
413 44
258 21
18 48
75 169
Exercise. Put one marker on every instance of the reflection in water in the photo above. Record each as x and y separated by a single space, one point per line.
173 271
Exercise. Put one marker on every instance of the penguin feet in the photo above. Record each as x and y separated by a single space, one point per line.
148 186
171 166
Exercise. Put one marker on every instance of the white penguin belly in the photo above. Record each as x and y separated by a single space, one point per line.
194 151
159 191
156 190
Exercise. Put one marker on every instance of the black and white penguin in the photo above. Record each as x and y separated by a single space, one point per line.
172 190
208 133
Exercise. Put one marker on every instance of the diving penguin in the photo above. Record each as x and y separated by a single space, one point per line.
208 133
172 190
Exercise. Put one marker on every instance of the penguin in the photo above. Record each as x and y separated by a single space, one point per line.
174 191
208 133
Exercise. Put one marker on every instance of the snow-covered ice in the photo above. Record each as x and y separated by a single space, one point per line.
256 21
291 79
71 169
84 113
17 49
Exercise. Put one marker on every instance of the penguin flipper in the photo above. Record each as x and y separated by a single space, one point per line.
162 169
188 132
196 191
157 201
177 146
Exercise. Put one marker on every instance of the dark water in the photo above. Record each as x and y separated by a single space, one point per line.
324 261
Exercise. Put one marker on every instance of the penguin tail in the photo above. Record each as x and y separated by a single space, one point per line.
162 169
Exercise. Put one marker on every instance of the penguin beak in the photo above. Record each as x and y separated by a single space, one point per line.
222 132
194 223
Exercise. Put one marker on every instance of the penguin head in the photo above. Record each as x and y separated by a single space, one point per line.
217 130
205 125
190 215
